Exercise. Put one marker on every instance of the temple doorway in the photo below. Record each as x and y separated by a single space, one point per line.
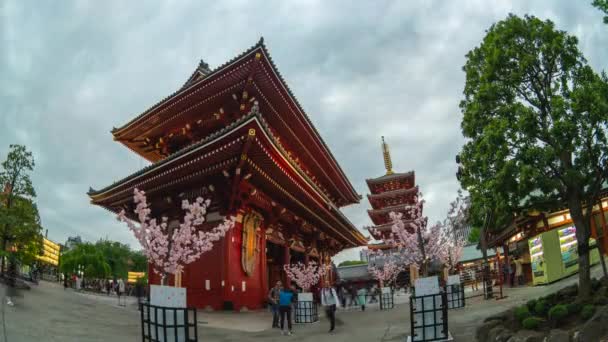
275 255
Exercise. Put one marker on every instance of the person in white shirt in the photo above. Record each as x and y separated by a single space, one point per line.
330 300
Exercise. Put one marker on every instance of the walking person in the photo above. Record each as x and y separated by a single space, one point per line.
108 287
519 273
11 280
286 298
120 289
330 301
362 294
273 299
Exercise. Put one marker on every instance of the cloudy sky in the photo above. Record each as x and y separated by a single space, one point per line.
71 70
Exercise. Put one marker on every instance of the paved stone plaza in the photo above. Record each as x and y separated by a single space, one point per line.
50 313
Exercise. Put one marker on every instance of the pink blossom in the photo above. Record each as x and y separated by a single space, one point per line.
305 276
168 250
389 270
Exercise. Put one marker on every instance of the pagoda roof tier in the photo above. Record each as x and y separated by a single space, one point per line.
213 99
381 216
392 176
402 195
381 231
245 147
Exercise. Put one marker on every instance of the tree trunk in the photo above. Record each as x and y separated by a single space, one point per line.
484 252
422 251
583 233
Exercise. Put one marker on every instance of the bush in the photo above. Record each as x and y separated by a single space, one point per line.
531 323
587 311
557 313
521 313
574 308
600 300
531 304
595 284
541 307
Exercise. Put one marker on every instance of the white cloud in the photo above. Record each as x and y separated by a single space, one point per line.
72 71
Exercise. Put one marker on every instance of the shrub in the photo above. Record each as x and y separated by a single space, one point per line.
595 284
521 313
531 323
587 311
600 300
541 307
574 308
531 304
550 299
557 313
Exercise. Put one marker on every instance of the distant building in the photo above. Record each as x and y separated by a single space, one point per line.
363 255
72 242
463 233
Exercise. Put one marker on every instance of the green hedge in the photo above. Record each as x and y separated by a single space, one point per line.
574 308
558 313
588 311
532 323
521 313
541 307
531 304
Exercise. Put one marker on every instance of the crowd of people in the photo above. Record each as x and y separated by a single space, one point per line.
282 300
109 287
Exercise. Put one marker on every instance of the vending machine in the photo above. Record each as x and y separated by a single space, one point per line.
554 255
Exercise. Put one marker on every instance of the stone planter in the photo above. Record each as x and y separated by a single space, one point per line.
166 318
306 309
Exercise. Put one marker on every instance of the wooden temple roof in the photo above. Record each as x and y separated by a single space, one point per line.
376 199
393 176
217 96
247 142
381 216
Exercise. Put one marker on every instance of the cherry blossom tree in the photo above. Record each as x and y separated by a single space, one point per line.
305 276
457 220
415 243
388 271
169 250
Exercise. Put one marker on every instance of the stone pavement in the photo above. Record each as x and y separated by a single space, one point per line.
49 313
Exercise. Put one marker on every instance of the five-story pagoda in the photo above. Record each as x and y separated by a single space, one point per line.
392 192
237 135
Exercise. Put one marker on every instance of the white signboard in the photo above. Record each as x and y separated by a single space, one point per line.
422 306
168 296
427 286
171 297
454 280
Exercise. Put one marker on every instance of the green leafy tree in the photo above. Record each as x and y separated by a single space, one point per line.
138 262
535 120
117 256
17 185
85 257
602 5
474 235
26 231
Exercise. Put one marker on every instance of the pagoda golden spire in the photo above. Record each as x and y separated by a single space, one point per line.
388 164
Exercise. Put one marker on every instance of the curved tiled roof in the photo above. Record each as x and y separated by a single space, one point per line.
393 193
392 176
183 89
177 154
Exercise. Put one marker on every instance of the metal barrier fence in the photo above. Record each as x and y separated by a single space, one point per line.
455 296
306 312
163 324
429 317
387 301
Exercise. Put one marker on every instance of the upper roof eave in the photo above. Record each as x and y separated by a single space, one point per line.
352 196
389 177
